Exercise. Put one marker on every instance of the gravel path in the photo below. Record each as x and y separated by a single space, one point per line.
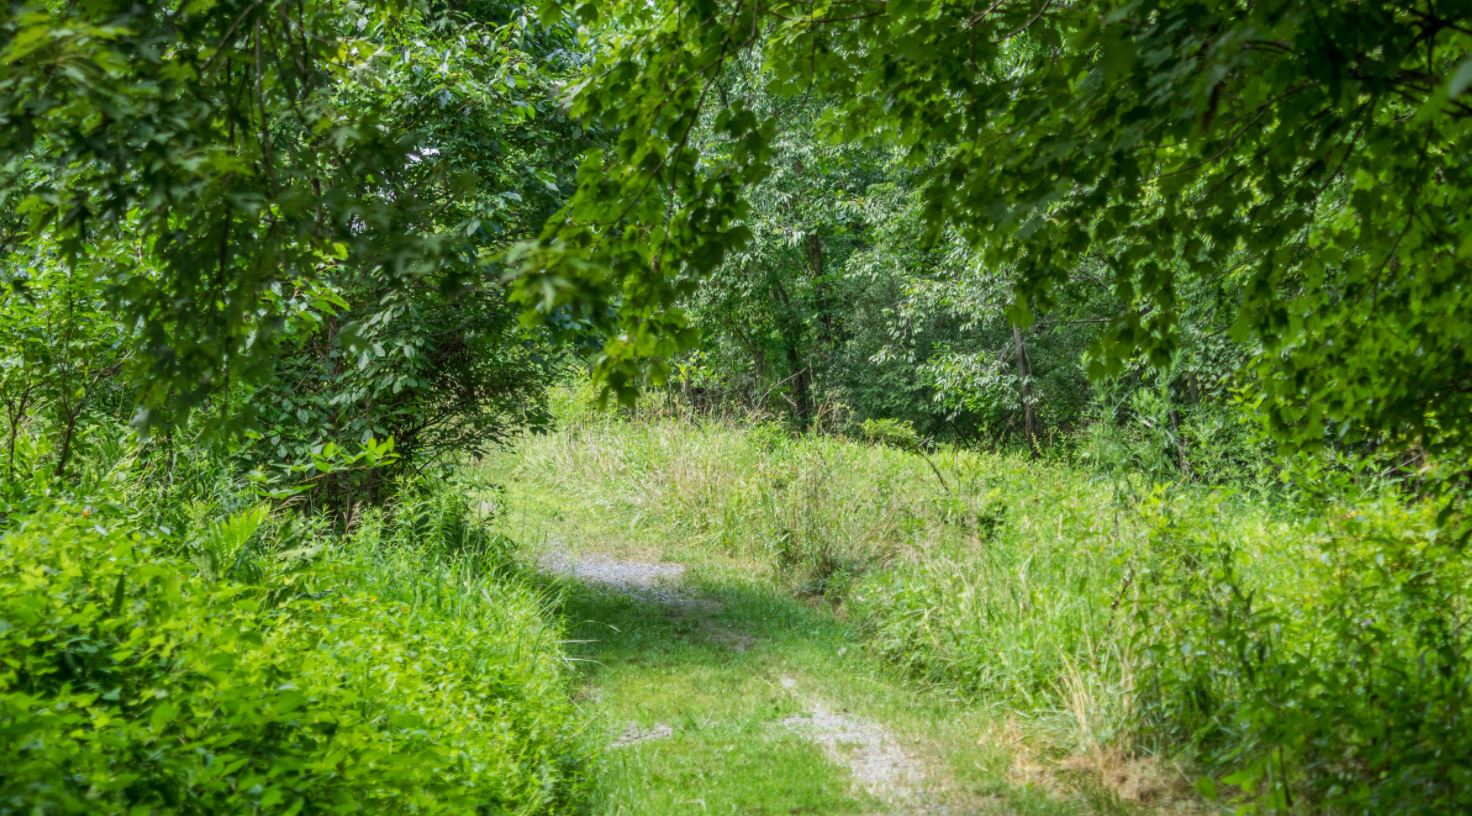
656 583
874 757
609 572
872 754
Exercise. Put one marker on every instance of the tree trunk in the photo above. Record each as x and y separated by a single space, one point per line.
68 422
1183 460
800 375
814 246
1024 378
802 389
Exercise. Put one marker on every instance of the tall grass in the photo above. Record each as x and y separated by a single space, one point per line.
1206 624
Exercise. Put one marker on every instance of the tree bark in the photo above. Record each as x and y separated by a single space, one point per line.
801 375
1024 379
814 246
1183 459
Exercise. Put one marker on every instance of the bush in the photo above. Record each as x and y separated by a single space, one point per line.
1333 672
896 433
387 674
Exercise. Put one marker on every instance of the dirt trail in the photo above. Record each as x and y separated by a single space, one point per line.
873 757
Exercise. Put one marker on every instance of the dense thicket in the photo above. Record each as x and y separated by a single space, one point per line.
243 663
266 235
287 214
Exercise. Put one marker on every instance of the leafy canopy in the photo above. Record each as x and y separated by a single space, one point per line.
1314 158
217 167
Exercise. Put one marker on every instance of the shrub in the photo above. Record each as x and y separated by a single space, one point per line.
896 433
1331 672
129 682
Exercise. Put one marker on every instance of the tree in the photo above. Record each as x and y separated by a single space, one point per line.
1313 158
292 213
235 162
775 315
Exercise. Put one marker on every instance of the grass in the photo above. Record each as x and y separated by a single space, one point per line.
720 499
727 752
1049 635
934 576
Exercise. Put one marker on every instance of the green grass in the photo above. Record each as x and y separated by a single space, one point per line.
727 753
955 584
1051 637
714 673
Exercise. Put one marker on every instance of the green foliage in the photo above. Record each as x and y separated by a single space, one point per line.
233 174
654 212
897 433
845 306
778 318
438 363
254 665
1342 681
1307 159
62 351
913 220
1144 433
285 218
346 177
808 503
432 374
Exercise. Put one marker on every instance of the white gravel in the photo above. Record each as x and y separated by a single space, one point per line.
604 571
656 583
651 582
875 759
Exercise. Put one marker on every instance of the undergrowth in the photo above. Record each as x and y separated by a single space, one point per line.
179 646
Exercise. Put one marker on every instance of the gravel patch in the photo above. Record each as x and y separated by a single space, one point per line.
874 757
604 571
650 582
633 735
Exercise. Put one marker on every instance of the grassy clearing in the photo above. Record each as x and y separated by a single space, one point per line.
723 678
1099 633
968 590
